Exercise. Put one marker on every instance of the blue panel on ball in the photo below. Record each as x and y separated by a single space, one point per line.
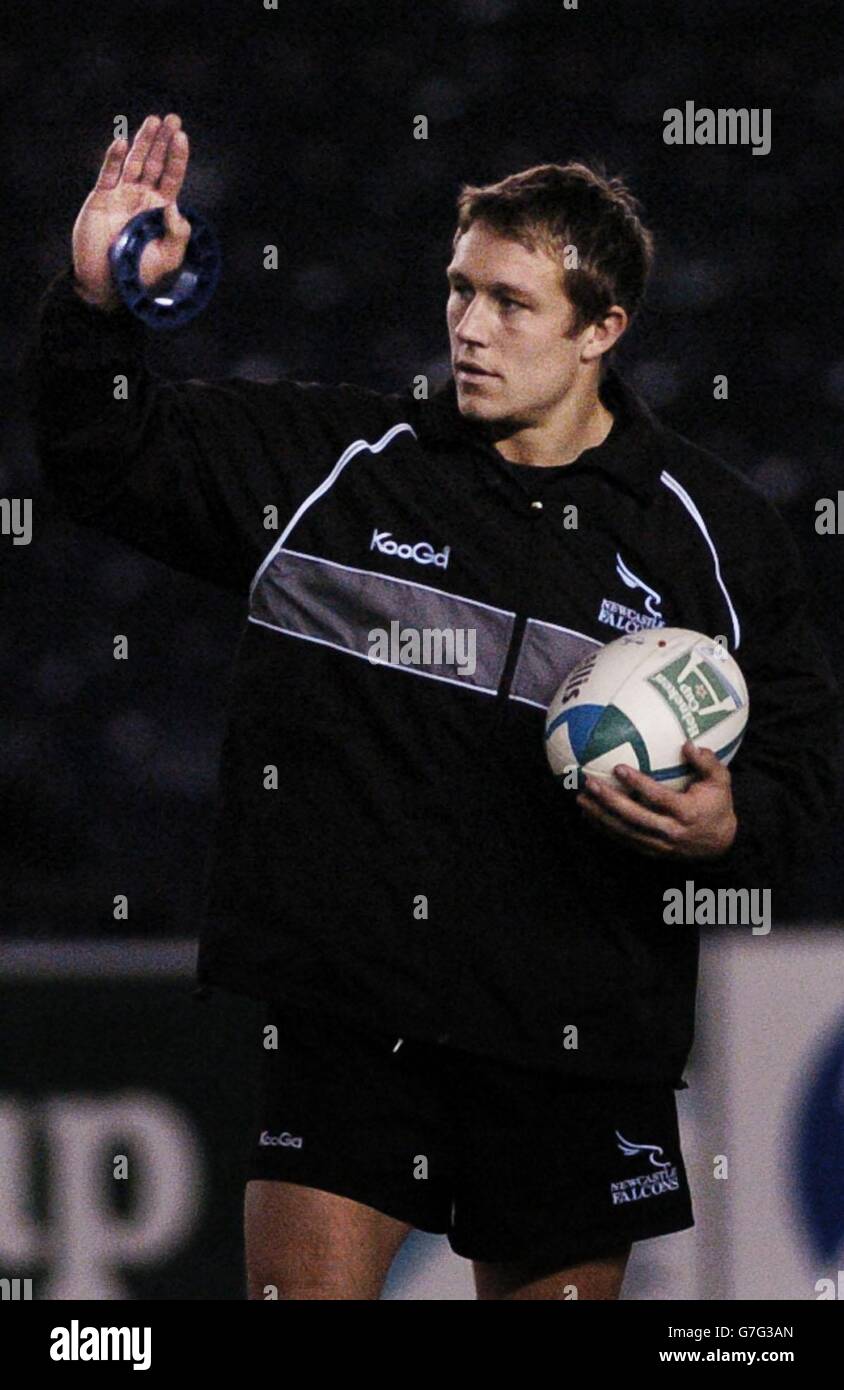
579 723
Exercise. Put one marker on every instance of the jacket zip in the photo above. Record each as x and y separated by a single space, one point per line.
509 668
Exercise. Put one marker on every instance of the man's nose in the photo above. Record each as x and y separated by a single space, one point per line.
473 325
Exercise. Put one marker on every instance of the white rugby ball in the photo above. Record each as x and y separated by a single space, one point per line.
638 699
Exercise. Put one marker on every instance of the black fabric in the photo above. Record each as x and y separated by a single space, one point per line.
416 863
533 476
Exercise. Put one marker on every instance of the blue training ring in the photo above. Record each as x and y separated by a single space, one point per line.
196 280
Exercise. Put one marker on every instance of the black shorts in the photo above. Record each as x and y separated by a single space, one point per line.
509 1162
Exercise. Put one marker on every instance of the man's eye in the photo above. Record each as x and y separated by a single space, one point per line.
512 304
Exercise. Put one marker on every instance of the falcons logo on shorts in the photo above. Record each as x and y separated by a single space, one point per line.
650 1149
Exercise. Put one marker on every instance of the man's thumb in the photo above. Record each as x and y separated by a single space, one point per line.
175 224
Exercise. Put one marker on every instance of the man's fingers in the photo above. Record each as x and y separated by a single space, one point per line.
640 790
652 845
706 762
659 808
649 791
141 145
109 175
155 160
175 166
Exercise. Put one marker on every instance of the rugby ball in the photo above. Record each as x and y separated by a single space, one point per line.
638 699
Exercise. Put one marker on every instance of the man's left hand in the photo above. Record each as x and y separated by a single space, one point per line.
698 823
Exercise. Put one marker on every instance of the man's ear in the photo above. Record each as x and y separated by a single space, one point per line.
604 335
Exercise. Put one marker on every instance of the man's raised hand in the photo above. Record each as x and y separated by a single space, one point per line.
148 175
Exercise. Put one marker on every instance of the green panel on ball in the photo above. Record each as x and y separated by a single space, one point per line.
614 730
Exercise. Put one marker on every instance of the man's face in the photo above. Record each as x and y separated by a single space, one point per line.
507 313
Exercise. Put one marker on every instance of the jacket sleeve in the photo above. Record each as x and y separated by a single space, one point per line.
785 773
199 475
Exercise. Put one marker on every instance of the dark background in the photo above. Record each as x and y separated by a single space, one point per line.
301 128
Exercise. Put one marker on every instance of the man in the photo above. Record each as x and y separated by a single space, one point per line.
476 1015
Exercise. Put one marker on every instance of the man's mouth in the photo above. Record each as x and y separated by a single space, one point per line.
469 369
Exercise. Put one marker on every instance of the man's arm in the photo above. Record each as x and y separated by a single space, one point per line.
777 798
190 473
180 471
785 776
119 449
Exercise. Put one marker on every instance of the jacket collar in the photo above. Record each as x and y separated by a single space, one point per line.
632 453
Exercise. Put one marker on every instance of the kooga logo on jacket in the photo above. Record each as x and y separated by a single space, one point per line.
422 552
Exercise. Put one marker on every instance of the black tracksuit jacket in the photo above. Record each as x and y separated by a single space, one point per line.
415 866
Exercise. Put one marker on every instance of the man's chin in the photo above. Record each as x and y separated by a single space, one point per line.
492 421
473 406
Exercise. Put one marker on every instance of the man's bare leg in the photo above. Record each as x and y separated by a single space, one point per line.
600 1278
310 1244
